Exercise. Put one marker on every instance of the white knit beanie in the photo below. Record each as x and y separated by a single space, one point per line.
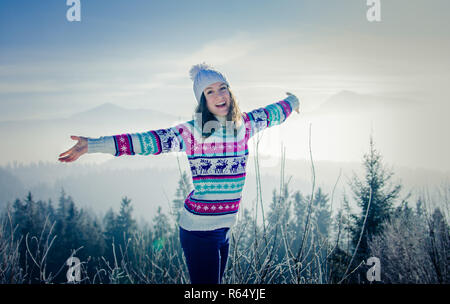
203 75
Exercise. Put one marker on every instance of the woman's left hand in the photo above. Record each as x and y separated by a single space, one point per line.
297 108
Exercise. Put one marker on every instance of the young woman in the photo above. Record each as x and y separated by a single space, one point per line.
216 145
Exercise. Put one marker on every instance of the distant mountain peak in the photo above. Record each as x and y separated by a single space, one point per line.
108 105
111 111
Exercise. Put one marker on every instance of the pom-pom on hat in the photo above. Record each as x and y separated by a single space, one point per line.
203 75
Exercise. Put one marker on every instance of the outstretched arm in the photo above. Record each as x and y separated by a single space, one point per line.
80 148
272 114
146 143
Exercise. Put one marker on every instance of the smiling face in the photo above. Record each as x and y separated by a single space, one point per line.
218 98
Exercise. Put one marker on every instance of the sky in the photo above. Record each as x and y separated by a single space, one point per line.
137 54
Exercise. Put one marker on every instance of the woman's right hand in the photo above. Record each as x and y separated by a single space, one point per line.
80 148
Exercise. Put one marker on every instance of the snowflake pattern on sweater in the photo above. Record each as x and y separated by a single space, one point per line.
217 164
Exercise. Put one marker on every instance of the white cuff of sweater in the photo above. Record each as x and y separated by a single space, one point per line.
104 144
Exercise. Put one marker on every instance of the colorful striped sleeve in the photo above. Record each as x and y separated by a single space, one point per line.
271 115
151 142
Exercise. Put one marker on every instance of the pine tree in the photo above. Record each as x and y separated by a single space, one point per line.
346 225
279 209
124 227
68 239
420 207
183 190
300 206
109 222
125 222
322 215
110 234
161 225
439 245
375 196
161 229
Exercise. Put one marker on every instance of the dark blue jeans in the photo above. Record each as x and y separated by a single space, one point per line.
206 254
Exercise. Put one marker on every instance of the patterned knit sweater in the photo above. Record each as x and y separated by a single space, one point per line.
217 163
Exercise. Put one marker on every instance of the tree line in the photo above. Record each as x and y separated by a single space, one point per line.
299 241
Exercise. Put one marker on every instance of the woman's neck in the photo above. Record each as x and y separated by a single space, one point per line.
221 119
